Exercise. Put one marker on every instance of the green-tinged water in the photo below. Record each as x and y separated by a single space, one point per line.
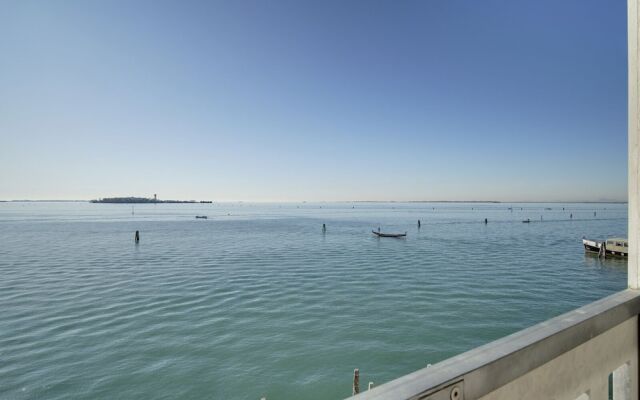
258 301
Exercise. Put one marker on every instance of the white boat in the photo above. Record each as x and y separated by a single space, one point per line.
617 247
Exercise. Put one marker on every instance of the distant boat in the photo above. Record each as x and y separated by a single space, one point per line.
391 235
526 221
618 247
201 217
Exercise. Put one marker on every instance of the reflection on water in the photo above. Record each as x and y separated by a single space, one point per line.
591 260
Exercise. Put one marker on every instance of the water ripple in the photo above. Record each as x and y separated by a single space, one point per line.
262 303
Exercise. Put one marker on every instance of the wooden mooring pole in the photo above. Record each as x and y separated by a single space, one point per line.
356 381
603 250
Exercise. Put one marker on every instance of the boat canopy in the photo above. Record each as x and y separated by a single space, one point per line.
619 242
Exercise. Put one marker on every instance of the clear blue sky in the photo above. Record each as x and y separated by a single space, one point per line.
314 100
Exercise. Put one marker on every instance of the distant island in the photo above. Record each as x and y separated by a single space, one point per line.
144 200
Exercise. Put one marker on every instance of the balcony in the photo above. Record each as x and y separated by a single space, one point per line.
581 355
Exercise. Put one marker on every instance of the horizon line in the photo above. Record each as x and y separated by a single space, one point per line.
334 201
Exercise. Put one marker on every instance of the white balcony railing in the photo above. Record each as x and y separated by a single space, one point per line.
570 357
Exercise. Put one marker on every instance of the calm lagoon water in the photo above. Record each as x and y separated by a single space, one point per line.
257 301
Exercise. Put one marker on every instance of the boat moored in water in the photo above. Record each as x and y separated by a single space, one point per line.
617 247
201 217
391 235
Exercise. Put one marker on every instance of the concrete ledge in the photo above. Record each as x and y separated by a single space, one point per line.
493 365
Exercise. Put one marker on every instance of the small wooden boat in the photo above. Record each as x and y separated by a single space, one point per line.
201 217
617 247
526 221
391 235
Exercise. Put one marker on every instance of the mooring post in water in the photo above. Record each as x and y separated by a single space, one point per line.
324 228
356 381
486 221
603 250
137 236
418 223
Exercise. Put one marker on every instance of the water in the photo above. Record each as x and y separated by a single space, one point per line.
257 301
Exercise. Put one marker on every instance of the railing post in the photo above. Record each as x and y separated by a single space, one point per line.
634 148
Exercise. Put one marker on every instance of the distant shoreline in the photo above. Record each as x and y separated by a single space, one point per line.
486 202
144 200
102 201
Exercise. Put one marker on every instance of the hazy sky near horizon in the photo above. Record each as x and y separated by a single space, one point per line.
314 100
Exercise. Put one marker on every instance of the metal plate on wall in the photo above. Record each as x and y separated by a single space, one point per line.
454 391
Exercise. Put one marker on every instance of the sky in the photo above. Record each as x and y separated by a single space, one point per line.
269 100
